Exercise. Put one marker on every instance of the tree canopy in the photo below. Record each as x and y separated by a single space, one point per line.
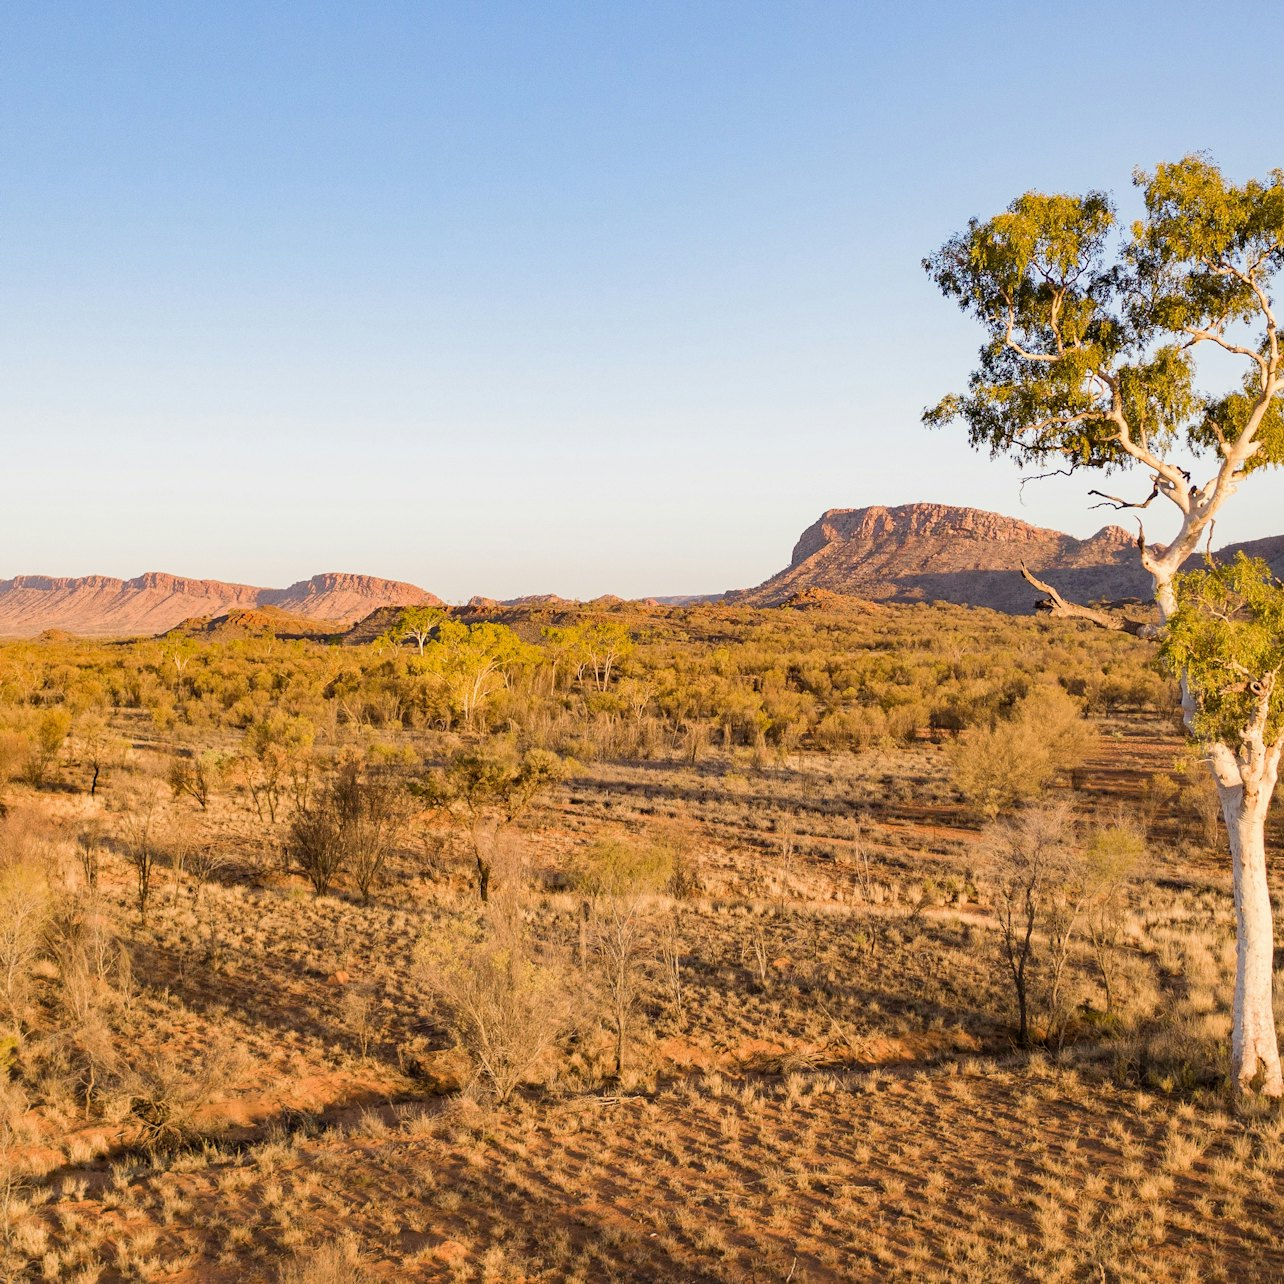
1092 329
1227 639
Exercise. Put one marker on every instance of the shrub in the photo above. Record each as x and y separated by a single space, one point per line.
1013 761
351 826
507 1002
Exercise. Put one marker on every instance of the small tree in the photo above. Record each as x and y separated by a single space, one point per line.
98 748
196 775
417 623
616 877
1111 858
272 746
1031 870
1090 362
490 791
47 739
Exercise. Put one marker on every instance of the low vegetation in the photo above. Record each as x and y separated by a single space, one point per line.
632 942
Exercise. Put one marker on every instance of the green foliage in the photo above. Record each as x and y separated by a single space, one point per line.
1087 326
1013 761
782 681
1227 638
590 652
620 867
472 663
491 779
418 623
46 739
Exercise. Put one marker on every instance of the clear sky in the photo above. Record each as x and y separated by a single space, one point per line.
538 296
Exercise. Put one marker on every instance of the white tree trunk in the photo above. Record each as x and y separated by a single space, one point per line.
1254 1046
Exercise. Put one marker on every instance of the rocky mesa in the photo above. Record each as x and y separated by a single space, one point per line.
101 606
943 553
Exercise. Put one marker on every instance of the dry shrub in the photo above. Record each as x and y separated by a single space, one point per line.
338 1262
616 876
166 1098
352 826
997 767
1032 870
79 1056
506 1000
29 858
139 837
16 1133
13 752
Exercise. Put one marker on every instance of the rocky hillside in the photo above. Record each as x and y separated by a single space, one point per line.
154 603
254 622
939 553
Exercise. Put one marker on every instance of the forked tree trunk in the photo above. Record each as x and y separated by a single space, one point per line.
1254 1045
1244 787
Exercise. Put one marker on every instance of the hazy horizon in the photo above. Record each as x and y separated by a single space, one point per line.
506 301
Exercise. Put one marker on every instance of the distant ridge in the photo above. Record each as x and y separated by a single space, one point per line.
102 606
944 553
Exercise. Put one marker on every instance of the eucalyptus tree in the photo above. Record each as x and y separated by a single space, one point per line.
1094 359
417 623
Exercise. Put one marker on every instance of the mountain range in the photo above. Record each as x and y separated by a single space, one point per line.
907 553
101 606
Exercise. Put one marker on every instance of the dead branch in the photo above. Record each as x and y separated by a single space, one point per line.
1113 501
1055 604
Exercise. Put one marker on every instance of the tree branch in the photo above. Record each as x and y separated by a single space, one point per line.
1034 477
1054 604
1113 501
1213 336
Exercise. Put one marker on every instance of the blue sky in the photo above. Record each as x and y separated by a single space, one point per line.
512 297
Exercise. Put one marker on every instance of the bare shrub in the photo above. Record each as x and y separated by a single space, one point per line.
24 911
376 812
13 753
14 1180
351 826
1033 875
196 775
27 854
672 963
166 1097
506 1000
89 841
360 1015
141 840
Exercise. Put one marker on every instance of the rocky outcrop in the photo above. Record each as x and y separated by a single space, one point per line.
941 553
345 598
252 622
